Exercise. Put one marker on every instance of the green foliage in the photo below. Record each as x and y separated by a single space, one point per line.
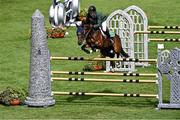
95 66
88 67
83 12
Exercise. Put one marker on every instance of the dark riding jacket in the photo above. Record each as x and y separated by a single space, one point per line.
96 22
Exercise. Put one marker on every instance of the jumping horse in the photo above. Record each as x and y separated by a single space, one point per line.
88 38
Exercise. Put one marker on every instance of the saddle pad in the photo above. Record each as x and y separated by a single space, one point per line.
112 34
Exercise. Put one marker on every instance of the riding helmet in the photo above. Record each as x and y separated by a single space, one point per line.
92 9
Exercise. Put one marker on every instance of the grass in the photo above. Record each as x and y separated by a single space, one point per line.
15 22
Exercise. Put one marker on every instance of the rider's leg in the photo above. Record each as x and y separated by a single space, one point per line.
106 31
111 38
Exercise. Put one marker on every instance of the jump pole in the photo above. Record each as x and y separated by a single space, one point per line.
163 40
105 74
104 94
104 59
157 32
103 80
163 27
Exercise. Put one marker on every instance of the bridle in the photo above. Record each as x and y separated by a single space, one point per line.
84 34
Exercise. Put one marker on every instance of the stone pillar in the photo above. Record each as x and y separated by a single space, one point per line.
39 83
175 79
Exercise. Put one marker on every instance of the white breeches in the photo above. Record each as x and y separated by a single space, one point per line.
104 26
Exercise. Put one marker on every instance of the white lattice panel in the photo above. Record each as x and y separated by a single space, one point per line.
121 23
140 40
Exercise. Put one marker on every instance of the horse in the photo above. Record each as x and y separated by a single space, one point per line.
87 37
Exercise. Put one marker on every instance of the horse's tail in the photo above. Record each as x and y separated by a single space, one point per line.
123 53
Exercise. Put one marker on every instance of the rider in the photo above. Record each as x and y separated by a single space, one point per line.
95 20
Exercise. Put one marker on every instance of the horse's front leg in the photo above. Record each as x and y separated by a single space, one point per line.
84 46
94 48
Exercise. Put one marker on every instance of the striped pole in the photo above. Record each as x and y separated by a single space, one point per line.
163 27
104 59
105 74
163 40
104 94
157 32
103 80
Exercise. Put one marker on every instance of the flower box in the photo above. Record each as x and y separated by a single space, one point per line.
98 67
56 32
15 102
57 35
12 96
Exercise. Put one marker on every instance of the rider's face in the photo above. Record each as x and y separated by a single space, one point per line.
93 14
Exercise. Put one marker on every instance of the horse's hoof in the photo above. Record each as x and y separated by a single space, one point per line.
111 51
97 50
91 51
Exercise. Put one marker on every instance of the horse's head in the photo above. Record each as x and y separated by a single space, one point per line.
80 34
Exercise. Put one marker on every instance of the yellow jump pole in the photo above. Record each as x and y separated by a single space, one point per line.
157 32
103 80
163 27
104 94
104 59
105 74
163 40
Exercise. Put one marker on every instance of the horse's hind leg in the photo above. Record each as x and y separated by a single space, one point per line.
117 55
118 47
107 53
123 53
113 63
